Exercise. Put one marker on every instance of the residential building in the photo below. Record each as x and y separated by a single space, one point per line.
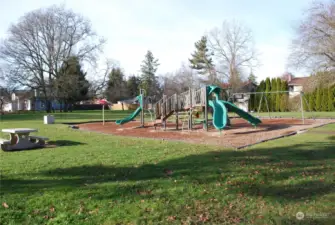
295 84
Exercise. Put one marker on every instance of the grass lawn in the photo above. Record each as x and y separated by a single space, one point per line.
93 178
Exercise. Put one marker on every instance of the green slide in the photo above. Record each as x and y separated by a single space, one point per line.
219 114
129 118
233 108
221 109
133 115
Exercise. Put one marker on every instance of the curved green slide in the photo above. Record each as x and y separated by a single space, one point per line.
233 108
133 115
220 118
221 108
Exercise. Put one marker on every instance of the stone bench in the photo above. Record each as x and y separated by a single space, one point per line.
38 139
4 144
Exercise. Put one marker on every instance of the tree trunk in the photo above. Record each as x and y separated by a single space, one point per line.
48 106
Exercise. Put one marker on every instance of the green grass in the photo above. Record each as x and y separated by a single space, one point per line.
75 116
93 178
298 114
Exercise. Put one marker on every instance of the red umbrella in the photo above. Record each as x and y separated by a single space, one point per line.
103 102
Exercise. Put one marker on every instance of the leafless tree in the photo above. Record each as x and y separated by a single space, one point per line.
6 90
314 45
180 81
42 40
234 51
99 79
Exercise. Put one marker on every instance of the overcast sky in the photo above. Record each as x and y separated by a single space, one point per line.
169 28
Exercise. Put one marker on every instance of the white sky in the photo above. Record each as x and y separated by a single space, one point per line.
169 28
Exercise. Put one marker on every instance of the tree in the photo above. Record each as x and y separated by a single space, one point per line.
324 101
41 41
116 86
252 78
311 101
133 84
284 96
331 98
318 101
201 60
70 85
314 46
267 95
278 95
272 96
260 88
100 78
148 78
233 50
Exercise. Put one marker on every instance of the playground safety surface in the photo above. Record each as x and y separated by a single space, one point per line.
239 134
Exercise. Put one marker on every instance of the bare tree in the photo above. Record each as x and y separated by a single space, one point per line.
314 44
234 51
180 81
42 40
6 90
99 80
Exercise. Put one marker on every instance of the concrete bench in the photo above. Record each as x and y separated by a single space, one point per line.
38 139
4 144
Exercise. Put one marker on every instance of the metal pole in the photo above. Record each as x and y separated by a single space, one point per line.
260 104
190 116
267 106
206 109
176 111
103 115
302 108
142 106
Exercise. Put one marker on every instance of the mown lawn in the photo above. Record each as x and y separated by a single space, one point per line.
93 178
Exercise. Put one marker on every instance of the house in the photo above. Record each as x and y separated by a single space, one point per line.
27 100
241 100
295 84
5 100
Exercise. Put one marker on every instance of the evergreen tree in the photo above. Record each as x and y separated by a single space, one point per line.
311 101
331 98
252 78
324 104
70 85
201 60
148 78
267 95
272 100
318 101
116 88
260 88
278 95
133 84
284 96
305 104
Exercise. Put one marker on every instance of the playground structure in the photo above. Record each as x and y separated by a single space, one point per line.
189 103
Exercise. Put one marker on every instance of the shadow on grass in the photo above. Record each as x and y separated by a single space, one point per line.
258 172
65 143
266 128
332 138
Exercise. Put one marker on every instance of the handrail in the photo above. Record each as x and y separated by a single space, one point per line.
179 102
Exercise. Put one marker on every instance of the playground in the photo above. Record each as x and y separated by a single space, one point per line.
185 117
239 134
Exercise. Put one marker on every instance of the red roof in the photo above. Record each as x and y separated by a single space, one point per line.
298 81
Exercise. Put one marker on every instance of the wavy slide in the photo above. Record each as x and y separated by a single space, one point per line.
220 114
129 118
243 114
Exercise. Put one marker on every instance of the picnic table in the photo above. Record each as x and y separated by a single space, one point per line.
20 139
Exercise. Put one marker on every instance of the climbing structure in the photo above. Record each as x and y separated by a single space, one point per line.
199 98
188 102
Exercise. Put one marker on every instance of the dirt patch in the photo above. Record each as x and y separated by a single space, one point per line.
239 134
